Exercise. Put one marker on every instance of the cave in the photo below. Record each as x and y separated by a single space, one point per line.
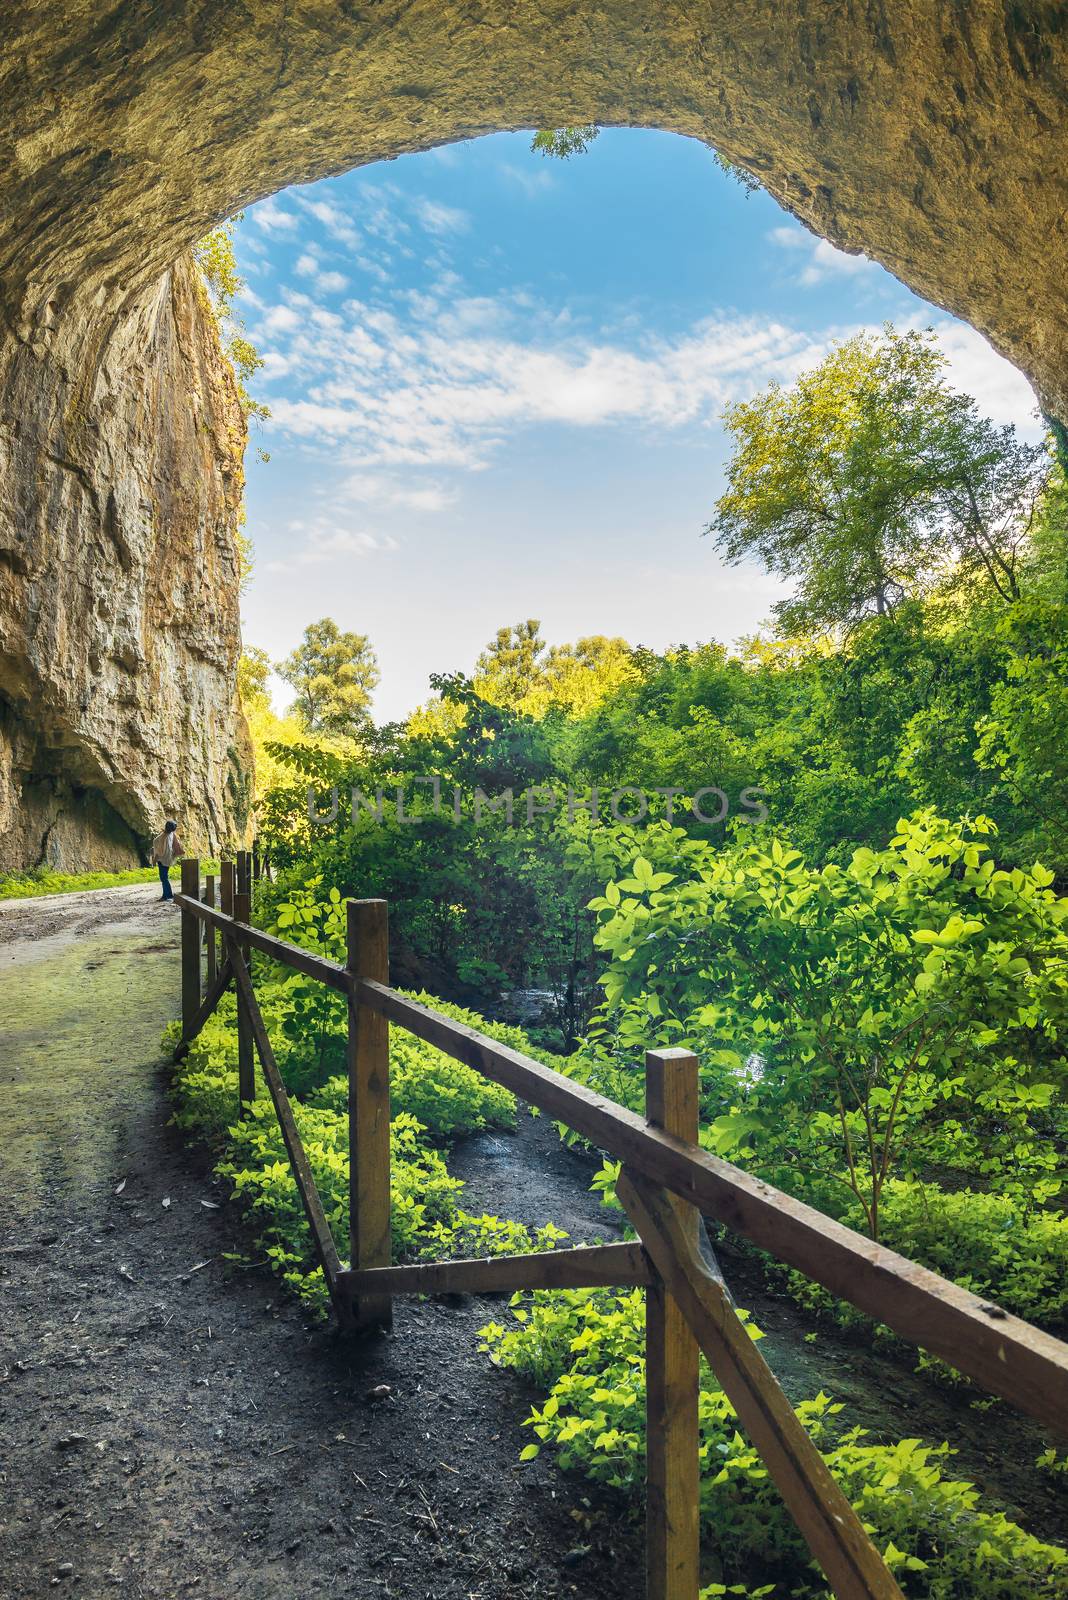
928 136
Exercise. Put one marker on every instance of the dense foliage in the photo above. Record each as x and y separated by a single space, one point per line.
434 1100
903 1015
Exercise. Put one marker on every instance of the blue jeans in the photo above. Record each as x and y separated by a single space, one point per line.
165 879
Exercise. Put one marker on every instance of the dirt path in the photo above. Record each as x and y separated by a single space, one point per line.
173 1427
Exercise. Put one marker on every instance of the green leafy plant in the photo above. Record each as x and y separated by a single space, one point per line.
866 1020
989 1243
23 885
586 1348
427 1217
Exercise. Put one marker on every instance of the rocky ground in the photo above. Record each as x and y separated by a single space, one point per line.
171 1424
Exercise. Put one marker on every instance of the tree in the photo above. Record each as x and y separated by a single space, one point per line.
215 257
576 678
511 664
576 138
253 670
871 480
563 143
517 671
334 675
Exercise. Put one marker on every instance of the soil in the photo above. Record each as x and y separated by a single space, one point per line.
172 1424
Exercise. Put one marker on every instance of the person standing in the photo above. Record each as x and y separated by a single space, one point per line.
166 849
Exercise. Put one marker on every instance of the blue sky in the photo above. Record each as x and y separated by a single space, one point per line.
496 383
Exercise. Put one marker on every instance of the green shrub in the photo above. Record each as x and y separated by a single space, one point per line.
586 1347
24 885
42 880
448 1098
427 1219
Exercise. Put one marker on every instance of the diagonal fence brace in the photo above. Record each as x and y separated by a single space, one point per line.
829 1524
322 1238
217 989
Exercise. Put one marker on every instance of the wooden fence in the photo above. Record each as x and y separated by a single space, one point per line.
668 1183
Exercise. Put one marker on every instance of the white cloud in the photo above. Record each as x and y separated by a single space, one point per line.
338 224
281 319
822 260
436 217
414 391
275 365
326 280
332 282
533 181
272 218
380 206
1001 391
325 541
443 378
367 488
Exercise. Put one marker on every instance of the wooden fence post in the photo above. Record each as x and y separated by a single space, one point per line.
190 944
256 861
368 1062
209 931
226 887
243 885
672 1364
246 1065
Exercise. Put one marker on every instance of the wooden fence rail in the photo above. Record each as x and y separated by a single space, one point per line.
667 1184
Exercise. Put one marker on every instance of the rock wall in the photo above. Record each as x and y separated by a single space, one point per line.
121 472
929 133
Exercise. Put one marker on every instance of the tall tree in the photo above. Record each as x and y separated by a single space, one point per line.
870 480
511 664
576 678
334 675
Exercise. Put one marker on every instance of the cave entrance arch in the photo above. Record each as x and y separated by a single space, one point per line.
930 136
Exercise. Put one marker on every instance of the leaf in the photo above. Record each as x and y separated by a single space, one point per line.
529 1451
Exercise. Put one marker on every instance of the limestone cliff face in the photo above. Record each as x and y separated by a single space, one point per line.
120 466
